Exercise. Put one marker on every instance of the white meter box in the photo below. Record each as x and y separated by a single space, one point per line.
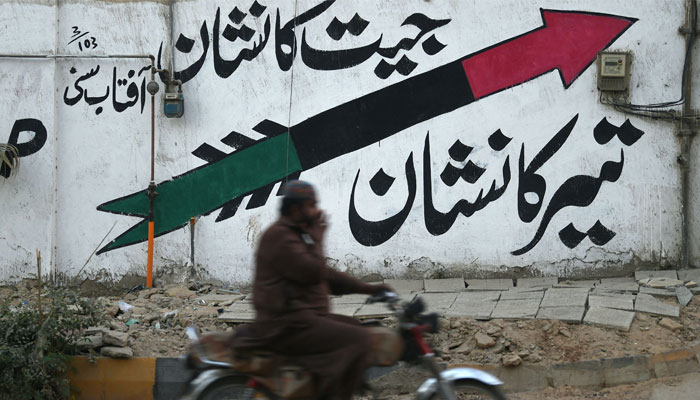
613 71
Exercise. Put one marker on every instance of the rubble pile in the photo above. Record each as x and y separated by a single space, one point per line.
151 322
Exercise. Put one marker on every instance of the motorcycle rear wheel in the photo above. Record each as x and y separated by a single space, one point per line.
235 388
469 389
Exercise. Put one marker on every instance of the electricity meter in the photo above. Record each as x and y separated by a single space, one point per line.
173 104
613 71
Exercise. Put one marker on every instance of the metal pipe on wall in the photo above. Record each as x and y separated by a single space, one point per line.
687 129
193 221
151 193
49 56
152 89
172 41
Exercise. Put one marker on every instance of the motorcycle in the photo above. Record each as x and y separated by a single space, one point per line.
218 372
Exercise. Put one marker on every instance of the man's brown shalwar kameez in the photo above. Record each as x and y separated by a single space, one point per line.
291 299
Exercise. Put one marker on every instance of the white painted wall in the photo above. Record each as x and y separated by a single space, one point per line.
92 158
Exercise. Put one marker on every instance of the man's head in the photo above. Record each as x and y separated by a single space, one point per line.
299 202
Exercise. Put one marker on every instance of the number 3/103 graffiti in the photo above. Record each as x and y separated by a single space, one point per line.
84 41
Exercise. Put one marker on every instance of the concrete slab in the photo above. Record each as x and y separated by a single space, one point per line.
618 303
648 304
622 285
525 377
238 316
409 296
516 309
619 279
489 284
621 295
347 301
620 371
438 301
566 291
574 297
345 309
405 285
689 275
572 315
476 309
676 367
684 295
581 373
547 281
355 306
528 289
376 310
658 292
518 295
639 275
608 317
479 296
660 283
579 284
444 285
350 299
240 307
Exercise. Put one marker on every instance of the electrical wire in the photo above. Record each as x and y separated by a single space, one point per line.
661 110
291 93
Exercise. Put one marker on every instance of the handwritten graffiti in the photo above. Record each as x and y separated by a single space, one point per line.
256 166
29 147
124 92
579 190
82 40
237 30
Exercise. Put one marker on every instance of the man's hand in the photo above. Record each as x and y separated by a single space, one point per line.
318 227
382 288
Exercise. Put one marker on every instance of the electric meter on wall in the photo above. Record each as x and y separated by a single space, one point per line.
613 71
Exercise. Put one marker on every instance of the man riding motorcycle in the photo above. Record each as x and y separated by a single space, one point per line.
291 297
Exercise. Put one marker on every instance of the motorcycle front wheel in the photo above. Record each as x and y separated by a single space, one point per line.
469 389
235 388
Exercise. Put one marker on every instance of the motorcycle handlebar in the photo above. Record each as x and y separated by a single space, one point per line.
383 297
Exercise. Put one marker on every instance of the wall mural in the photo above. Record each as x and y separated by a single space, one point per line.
579 191
286 42
568 41
31 146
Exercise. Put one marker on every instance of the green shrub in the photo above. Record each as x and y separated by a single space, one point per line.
34 357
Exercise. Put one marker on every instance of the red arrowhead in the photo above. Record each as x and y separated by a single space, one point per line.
569 41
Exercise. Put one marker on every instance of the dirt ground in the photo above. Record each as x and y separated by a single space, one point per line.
533 341
545 341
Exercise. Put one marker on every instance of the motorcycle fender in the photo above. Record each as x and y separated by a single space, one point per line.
204 380
430 386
